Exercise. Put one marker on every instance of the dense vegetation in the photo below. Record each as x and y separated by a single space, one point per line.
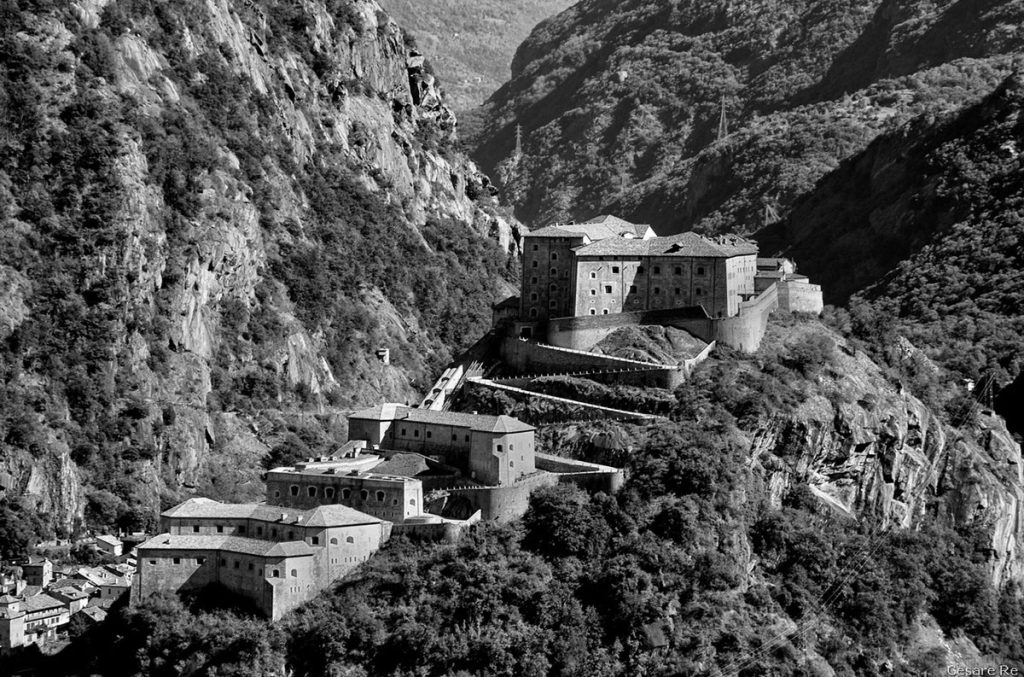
621 101
471 44
926 226
182 264
690 569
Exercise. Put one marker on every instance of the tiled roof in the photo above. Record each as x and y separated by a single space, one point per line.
612 226
405 465
684 245
478 422
555 231
7 599
329 515
95 613
106 538
598 228
245 546
40 603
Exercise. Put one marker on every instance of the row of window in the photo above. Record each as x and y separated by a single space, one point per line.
236 564
656 290
346 493
429 433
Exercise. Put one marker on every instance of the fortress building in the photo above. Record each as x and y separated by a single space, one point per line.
275 557
325 515
581 281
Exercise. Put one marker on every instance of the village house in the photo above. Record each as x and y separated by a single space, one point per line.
109 545
30 620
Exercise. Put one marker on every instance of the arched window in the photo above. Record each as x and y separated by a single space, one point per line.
345 493
311 491
593 276
329 492
533 312
294 489
700 270
593 311
350 540
535 247
554 271
295 573
412 502
380 496
334 541
533 296
364 494
535 264
553 287
604 311
554 256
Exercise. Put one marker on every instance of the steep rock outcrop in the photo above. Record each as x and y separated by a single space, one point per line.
237 152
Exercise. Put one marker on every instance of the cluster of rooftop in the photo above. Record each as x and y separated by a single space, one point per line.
38 600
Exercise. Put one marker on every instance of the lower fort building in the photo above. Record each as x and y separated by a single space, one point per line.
275 557
424 473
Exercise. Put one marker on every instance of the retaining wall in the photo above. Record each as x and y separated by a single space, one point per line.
603 412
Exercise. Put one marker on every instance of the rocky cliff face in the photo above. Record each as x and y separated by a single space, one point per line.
265 194
865 447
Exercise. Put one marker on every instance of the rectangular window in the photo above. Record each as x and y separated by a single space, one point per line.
177 560
657 270
316 540
607 289
195 528
615 269
632 289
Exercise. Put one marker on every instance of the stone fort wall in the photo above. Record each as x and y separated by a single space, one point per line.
504 504
798 296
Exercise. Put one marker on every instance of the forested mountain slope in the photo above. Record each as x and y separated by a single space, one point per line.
621 102
760 531
927 226
471 44
209 211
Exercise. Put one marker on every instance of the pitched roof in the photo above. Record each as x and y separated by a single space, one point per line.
598 228
555 231
40 603
688 244
245 546
478 422
333 516
95 613
7 599
107 538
